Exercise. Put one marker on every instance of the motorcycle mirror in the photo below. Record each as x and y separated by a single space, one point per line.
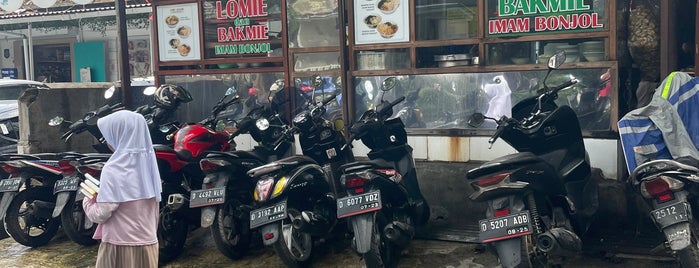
230 91
109 93
557 59
56 121
476 120
149 91
165 128
389 83
316 81
220 125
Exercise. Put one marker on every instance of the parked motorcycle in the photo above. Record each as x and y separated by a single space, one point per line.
383 202
180 172
541 199
670 187
295 196
226 197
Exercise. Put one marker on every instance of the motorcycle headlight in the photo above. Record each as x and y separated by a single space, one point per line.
262 124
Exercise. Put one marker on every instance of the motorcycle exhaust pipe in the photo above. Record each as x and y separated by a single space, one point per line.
558 239
399 233
309 222
175 201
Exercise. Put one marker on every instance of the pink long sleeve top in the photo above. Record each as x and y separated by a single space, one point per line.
132 223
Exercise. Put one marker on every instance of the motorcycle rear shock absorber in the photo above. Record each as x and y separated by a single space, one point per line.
534 213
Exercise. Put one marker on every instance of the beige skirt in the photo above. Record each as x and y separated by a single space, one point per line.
112 256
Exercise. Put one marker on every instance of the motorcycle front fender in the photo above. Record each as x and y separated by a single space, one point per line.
509 252
678 235
362 225
208 214
5 203
273 229
61 201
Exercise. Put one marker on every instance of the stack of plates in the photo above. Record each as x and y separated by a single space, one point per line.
592 50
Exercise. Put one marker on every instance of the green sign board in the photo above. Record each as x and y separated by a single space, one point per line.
528 17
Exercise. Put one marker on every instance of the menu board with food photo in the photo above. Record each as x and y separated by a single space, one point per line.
381 21
177 38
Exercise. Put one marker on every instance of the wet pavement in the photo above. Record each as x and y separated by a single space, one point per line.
200 251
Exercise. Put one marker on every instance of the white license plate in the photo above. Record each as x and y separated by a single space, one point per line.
267 215
66 185
505 227
358 204
672 214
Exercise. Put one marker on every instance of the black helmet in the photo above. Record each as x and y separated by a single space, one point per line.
169 95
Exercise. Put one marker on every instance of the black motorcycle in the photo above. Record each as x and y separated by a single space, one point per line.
295 196
540 200
383 203
226 198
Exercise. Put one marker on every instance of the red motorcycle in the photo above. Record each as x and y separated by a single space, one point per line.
180 173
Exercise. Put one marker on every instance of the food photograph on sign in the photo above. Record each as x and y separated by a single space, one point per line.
176 32
381 21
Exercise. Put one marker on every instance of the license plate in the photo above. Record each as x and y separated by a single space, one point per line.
358 204
10 185
672 214
267 215
67 184
505 227
207 197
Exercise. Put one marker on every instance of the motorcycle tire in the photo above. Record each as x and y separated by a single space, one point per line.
382 254
300 254
231 230
172 235
26 223
73 221
689 256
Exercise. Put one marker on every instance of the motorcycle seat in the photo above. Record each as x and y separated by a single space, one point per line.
168 149
360 165
503 163
292 161
237 154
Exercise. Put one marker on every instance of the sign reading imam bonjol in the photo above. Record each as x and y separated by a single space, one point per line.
522 17
242 28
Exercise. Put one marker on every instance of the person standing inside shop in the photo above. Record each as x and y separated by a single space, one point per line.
126 204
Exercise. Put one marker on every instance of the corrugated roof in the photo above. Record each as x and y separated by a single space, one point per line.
29 9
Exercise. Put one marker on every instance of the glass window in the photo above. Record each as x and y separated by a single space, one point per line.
315 62
439 101
331 85
446 56
385 59
538 52
235 29
206 90
517 18
446 19
313 23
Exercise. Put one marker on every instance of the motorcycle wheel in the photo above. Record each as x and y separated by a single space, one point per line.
172 235
73 221
689 257
297 252
382 253
29 224
231 230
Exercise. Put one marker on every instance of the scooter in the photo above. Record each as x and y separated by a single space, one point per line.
670 188
295 196
383 203
226 196
540 200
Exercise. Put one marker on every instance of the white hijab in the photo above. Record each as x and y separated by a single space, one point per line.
499 94
131 173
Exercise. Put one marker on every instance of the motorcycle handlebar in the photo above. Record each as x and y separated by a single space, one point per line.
391 104
564 85
329 99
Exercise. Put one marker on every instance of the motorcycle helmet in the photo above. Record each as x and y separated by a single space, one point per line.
169 95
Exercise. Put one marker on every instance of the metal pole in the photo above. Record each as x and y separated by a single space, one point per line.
122 51
30 75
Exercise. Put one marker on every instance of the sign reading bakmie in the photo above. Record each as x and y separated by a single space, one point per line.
521 17
248 23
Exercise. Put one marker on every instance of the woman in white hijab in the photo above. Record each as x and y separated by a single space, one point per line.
126 205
